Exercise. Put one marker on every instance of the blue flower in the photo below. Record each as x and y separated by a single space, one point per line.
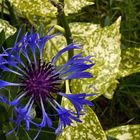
41 82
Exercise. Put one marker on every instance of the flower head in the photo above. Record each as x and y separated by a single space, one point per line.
41 82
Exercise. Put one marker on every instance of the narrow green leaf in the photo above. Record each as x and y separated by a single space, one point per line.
3 119
2 135
2 37
23 134
48 135
127 132
3 114
7 128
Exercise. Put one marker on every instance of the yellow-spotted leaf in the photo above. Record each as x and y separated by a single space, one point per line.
130 62
7 28
72 6
43 12
104 45
89 129
36 11
127 132
35 7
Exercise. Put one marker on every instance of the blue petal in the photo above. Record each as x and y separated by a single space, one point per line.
4 84
69 47
16 101
32 41
22 114
69 62
78 100
15 59
74 64
28 113
78 67
46 119
83 59
24 50
4 68
4 100
17 36
2 60
41 43
1 55
79 75
37 134
65 116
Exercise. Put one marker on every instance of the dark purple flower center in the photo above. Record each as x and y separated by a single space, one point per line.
41 80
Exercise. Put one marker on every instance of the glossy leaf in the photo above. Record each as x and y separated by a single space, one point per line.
2 37
72 6
101 43
130 62
43 12
127 132
104 45
42 7
8 29
89 129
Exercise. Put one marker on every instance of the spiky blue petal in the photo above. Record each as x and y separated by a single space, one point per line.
41 82
79 75
78 100
5 83
65 116
69 47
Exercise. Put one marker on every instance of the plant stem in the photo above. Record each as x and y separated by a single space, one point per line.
62 21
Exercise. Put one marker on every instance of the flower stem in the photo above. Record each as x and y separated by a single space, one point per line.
62 21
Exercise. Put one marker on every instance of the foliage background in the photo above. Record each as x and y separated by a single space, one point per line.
107 29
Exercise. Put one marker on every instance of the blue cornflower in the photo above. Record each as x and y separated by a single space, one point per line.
41 82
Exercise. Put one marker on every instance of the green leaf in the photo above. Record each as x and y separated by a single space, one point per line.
104 45
48 135
23 134
127 132
36 11
73 6
7 128
2 37
3 119
2 136
43 12
89 129
45 8
3 114
59 42
130 62
35 7
8 29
